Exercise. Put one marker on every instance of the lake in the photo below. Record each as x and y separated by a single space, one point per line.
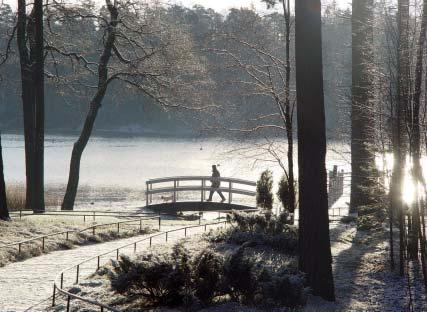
114 169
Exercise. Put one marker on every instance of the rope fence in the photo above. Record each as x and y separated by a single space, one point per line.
82 213
75 272
93 229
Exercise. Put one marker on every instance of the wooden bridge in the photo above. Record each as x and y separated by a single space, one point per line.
171 188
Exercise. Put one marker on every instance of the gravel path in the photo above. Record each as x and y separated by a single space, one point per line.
25 284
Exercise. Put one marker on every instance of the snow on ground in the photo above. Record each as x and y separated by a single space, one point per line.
362 276
97 287
25 284
363 281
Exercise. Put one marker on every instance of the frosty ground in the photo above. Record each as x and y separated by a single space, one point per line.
26 283
362 276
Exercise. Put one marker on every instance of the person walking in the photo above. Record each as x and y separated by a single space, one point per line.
215 184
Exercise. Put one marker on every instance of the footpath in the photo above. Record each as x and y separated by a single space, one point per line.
26 284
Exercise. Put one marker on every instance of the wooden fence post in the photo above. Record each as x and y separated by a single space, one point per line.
77 273
146 195
68 303
54 295
202 195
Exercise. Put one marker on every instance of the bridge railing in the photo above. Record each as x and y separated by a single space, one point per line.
232 186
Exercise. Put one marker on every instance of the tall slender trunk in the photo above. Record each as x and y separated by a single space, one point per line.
416 137
399 125
38 81
314 246
362 155
391 239
422 234
288 110
95 104
4 212
27 94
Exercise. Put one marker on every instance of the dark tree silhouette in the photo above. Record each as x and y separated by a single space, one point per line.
416 232
4 212
315 251
163 68
38 203
95 104
29 34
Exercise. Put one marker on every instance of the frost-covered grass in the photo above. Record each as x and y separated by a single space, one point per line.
15 194
363 280
362 275
98 286
39 225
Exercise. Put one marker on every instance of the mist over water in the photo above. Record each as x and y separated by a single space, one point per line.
114 169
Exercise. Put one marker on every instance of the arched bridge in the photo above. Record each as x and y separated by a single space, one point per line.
170 189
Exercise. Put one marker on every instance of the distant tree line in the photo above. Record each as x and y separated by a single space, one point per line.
65 105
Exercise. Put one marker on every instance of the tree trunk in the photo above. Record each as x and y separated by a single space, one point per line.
30 29
399 125
314 246
38 81
288 111
422 234
4 212
416 136
95 104
26 83
362 154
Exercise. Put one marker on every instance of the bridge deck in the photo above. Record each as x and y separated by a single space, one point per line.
196 206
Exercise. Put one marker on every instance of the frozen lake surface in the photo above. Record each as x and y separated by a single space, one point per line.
114 169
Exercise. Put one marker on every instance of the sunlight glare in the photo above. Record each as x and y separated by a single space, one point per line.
408 189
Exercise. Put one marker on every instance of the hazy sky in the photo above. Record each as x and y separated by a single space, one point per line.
218 5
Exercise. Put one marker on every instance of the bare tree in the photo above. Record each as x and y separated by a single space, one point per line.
142 51
95 104
261 72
